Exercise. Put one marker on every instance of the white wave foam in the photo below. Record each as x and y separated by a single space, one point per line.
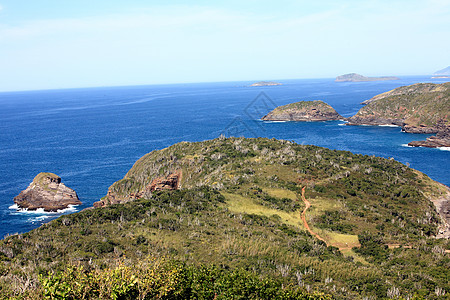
41 211
444 148
275 121
406 145
388 125
37 219
14 206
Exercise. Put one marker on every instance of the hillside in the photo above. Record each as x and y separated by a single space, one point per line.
227 217
418 108
354 77
303 111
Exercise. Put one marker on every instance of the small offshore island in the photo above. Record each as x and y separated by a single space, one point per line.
418 108
354 77
266 83
307 111
47 192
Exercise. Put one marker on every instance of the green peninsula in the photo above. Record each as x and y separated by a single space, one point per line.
238 218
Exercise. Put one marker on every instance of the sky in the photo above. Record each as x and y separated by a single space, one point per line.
49 44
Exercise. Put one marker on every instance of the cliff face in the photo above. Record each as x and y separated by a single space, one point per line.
354 77
418 108
170 182
47 192
303 111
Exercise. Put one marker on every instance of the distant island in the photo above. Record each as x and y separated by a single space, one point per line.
417 108
265 83
444 73
354 77
303 111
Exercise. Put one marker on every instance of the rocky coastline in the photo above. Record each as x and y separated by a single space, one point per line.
47 192
418 108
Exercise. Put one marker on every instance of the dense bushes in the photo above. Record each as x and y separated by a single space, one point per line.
160 280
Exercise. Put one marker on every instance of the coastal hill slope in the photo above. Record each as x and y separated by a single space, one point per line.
303 111
418 108
229 218
354 77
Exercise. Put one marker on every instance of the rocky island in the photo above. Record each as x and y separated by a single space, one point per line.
354 77
306 111
417 108
265 83
47 192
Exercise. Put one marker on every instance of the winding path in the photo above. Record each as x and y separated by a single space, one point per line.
307 205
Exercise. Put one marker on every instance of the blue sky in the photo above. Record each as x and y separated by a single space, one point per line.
63 44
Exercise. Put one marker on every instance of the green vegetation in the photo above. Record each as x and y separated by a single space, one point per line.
234 230
422 104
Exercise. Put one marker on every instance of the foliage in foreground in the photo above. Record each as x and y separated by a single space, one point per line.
157 279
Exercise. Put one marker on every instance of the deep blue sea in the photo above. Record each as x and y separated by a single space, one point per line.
91 137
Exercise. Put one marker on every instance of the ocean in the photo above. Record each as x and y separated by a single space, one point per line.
91 137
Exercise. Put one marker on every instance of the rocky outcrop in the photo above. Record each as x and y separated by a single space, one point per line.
306 111
418 108
441 139
354 77
170 182
47 192
265 83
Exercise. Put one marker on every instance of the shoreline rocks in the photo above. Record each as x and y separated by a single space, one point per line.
441 139
306 111
47 192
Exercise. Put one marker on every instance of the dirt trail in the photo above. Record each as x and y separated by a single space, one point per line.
307 205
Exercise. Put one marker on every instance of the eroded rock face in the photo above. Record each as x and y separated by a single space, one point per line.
47 192
171 182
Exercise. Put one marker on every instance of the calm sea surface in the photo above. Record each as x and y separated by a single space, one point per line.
92 137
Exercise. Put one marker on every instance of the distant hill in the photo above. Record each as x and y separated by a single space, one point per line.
354 77
445 73
265 83
303 111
